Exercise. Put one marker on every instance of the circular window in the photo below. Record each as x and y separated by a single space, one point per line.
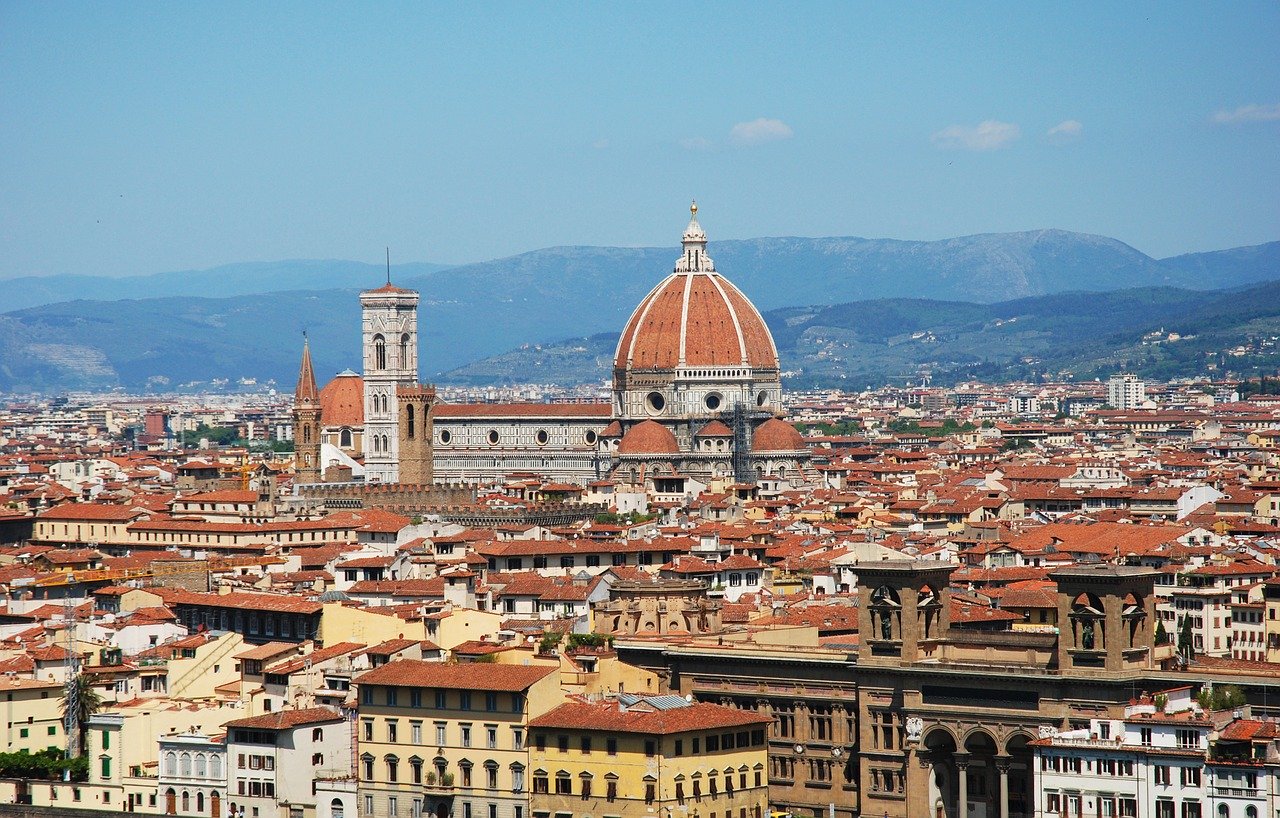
493 437
542 437
762 398
590 437
656 402
445 436
713 401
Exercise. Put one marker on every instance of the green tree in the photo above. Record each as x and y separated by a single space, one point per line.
1162 636
88 702
1221 697
1186 645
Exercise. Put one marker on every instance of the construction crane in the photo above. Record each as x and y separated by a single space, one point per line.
71 700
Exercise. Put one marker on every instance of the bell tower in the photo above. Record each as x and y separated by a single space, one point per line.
306 421
904 609
389 328
1106 617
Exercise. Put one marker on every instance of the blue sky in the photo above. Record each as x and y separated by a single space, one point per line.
138 138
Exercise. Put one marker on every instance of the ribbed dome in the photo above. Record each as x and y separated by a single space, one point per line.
695 317
342 401
776 435
648 437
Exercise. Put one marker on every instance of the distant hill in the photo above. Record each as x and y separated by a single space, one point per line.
869 343
228 280
472 312
1221 269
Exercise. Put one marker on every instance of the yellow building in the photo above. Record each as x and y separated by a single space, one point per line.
641 756
448 739
342 623
33 715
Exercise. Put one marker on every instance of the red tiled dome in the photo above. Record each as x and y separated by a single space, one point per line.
342 401
776 435
714 429
695 317
648 437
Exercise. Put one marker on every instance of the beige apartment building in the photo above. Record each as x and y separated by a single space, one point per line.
448 739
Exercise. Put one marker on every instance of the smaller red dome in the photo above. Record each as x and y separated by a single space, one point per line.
342 401
648 437
776 435
714 429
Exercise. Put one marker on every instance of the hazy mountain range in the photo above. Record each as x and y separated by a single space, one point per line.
1161 332
245 320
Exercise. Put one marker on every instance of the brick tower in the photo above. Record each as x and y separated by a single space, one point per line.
306 422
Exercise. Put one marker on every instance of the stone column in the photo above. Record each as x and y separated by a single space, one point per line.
962 779
1002 767
920 792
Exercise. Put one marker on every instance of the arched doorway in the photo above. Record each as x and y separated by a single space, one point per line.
979 781
1019 761
170 802
940 749
215 804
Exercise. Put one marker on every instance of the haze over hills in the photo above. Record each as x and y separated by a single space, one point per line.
224 281
475 311
870 343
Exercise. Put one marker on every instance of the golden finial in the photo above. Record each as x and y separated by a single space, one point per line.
693 209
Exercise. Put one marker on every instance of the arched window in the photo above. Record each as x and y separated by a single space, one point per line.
184 768
335 808
306 434
404 351
379 352
409 414
386 446
215 766
199 802
344 438
202 768
171 763
186 801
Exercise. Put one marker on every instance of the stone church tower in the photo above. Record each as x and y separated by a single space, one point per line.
416 445
306 422
390 334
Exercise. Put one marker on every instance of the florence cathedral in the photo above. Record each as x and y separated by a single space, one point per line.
696 398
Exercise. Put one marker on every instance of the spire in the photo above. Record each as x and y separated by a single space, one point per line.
388 266
306 390
695 258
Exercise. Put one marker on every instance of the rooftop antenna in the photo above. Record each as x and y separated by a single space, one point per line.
388 266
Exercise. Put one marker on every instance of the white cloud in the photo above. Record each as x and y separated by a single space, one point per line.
1248 113
600 144
985 136
696 143
760 131
1065 131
